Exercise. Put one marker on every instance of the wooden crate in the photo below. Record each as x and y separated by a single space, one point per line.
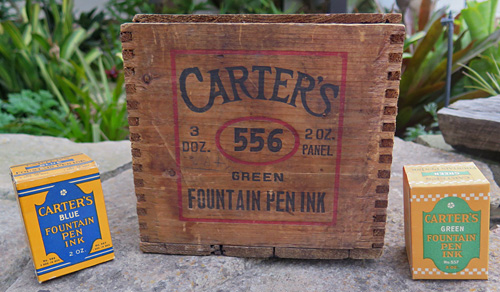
263 135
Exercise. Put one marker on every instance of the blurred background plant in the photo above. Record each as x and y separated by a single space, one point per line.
49 51
31 112
412 133
489 83
44 49
9 9
250 6
424 66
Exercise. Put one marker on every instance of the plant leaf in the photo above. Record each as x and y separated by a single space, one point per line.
72 42
104 81
440 71
480 18
6 79
15 35
423 48
403 116
470 95
34 16
479 47
93 84
492 18
91 56
414 96
42 41
413 38
49 81
424 13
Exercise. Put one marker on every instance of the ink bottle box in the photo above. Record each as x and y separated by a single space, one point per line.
447 213
62 208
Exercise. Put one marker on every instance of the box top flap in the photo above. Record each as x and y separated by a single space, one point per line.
52 167
444 174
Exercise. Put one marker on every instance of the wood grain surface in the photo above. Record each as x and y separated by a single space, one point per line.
271 18
260 136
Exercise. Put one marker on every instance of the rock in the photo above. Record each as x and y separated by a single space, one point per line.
15 254
133 270
20 148
472 124
405 153
495 168
434 141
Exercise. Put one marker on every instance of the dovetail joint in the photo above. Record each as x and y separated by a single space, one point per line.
381 203
391 93
128 54
136 152
379 218
129 71
378 232
141 197
135 137
126 36
142 211
397 38
132 104
390 110
139 183
395 57
382 189
388 127
384 174
385 158
394 75
137 167
386 143
133 121
130 88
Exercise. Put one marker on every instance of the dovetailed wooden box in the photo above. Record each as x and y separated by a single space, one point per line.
263 135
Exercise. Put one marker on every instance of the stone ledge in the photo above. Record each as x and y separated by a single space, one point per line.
112 157
472 124
133 270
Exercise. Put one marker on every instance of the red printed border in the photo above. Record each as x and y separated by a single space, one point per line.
342 55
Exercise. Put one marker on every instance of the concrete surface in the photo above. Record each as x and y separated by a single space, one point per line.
133 270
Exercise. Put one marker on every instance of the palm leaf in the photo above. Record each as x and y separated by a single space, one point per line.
15 35
50 82
72 42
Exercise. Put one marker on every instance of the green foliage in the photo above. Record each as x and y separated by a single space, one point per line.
55 68
481 22
364 6
36 113
124 10
412 133
50 39
9 9
480 18
47 51
423 78
104 34
103 111
118 12
249 6
490 83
